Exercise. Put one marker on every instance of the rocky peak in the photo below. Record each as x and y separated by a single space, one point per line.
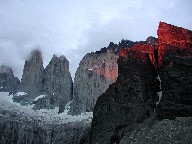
57 81
152 40
6 73
7 80
95 73
174 36
131 102
32 72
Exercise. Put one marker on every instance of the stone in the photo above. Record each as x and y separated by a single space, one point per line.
95 73
175 58
128 112
8 82
57 83
32 77
20 129
174 36
176 84
128 101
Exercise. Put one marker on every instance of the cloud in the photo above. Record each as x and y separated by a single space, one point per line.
74 28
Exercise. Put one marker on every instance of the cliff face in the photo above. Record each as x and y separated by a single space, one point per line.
174 36
21 128
175 50
46 88
94 75
128 110
57 81
32 73
7 80
128 101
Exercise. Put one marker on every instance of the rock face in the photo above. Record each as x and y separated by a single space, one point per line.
17 129
33 73
94 75
7 80
57 82
46 88
128 101
158 132
172 35
128 112
175 71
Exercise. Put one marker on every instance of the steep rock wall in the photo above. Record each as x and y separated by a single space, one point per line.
128 113
7 80
128 101
95 73
16 129
57 82
174 36
32 73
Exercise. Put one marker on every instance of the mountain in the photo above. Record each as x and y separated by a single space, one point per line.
139 92
154 84
96 71
31 80
57 82
45 88
7 80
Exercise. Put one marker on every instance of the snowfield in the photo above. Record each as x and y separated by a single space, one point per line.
20 93
39 97
48 116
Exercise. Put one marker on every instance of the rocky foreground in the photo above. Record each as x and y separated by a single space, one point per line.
22 125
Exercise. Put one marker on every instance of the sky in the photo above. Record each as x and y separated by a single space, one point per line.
76 27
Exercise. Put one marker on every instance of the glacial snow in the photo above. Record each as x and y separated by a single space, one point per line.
48 116
39 97
160 92
20 93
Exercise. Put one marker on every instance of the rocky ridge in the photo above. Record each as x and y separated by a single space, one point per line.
96 72
45 88
7 80
132 110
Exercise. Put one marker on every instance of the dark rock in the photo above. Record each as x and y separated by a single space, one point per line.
57 84
176 82
32 73
127 102
95 73
8 82
19 129
175 62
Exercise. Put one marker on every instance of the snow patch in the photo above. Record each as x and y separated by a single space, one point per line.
160 92
20 94
67 107
39 97
44 115
160 96
1 87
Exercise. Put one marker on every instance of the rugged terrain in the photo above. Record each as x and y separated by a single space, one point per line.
139 92
154 85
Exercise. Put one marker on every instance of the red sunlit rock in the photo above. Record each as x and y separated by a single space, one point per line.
139 50
173 36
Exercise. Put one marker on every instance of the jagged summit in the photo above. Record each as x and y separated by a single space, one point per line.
31 80
133 106
7 80
6 70
57 81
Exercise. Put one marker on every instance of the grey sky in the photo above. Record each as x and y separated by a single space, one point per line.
76 27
